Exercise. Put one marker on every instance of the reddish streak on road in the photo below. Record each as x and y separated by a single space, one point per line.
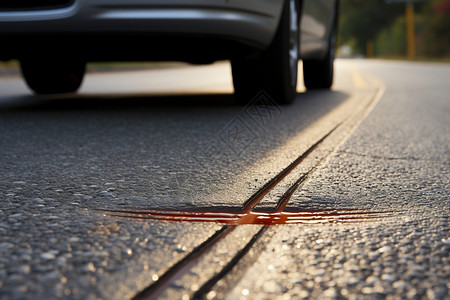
245 218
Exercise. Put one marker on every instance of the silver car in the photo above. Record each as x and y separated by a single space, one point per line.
263 39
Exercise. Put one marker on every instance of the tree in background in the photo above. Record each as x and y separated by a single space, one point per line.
362 20
375 20
434 36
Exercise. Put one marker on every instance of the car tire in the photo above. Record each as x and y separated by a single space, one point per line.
319 73
274 70
47 76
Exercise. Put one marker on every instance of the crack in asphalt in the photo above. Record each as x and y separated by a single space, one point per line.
233 219
175 272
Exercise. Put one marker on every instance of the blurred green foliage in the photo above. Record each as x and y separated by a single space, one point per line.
385 24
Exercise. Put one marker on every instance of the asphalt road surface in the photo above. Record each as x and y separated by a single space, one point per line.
155 184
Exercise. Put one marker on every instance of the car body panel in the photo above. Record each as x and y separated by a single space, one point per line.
252 23
318 17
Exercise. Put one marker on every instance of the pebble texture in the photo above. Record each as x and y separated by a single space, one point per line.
386 259
62 160
396 162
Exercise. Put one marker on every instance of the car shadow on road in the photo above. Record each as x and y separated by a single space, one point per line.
107 102
130 102
203 142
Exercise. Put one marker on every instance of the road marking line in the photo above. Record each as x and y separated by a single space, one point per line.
358 79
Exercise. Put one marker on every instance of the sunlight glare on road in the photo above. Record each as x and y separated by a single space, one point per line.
188 79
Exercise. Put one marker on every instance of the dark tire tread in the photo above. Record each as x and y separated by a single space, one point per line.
268 71
46 76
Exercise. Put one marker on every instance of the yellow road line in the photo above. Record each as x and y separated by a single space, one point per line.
358 80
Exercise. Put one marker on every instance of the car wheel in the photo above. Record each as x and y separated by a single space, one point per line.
318 73
273 71
51 77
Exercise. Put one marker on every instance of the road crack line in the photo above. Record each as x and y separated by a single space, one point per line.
181 267
247 215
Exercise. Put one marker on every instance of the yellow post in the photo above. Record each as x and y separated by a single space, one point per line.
410 30
370 49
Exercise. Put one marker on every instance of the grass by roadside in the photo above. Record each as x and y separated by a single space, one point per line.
123 66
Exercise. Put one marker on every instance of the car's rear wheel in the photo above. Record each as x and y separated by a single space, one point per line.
51 76
273 71
318 73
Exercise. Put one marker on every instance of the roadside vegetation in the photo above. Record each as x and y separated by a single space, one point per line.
377 28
